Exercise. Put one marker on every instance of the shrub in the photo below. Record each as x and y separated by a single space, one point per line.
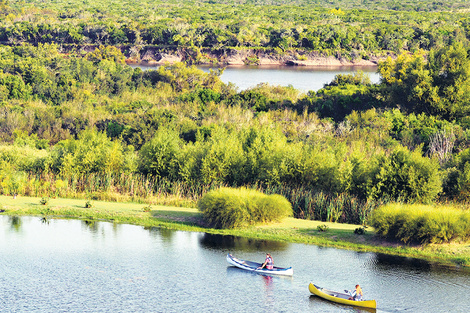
157 157
360 231
88 204
44 201
92 152
230 207
322 227
406 175
419 223
265 208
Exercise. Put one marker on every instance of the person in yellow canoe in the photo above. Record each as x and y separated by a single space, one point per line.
268 263
357 294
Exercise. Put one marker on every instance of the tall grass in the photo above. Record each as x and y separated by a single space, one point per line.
317 205
422 224
124 187
306 203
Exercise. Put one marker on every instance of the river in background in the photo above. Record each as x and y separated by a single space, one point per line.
78 266
300 77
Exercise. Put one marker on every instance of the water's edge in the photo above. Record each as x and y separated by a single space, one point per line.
151 55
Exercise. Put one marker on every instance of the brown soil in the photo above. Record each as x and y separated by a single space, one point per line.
156 56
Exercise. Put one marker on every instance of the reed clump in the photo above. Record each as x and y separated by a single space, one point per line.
238 207
421 223
321 206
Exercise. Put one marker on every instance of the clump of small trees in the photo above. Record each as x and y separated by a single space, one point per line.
237 207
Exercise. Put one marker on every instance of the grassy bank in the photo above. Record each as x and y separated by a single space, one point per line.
189 219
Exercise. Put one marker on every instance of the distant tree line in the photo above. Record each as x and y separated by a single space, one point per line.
341 30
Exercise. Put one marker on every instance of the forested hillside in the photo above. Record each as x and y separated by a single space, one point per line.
81 123
344 29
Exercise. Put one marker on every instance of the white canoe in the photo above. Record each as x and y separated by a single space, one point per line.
253 267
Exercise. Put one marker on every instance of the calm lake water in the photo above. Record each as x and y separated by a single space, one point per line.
74 266
300 77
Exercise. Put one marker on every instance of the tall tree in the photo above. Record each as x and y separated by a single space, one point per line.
440 86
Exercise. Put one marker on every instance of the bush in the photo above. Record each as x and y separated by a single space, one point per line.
360 231
230 208
88 204
421 224
264 208
158 156
322 227
406 175
44 201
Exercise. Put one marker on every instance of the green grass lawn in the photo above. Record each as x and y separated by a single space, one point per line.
189 219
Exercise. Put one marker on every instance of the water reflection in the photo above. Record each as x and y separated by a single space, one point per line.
163 233
15 223
323 305
387 261
268 281
90 225
300 77
269 292
233 243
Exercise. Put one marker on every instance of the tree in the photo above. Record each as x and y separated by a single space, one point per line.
159 156
440 86
406 176
92 152
109 53
13 87
450 69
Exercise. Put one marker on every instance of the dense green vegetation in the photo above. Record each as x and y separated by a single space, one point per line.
422 224
76 121
346 29
92 127
231 208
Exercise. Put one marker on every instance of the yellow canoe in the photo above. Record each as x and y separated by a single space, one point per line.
339 297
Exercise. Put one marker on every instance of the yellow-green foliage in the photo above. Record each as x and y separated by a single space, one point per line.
22 158
230 207
420 223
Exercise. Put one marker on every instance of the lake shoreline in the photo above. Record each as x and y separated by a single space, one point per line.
154 56
341 236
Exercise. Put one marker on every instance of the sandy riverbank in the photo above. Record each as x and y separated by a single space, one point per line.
154 56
